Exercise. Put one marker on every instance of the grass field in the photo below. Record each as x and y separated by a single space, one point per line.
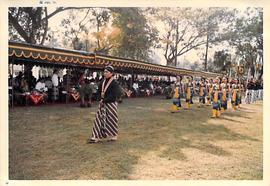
49 142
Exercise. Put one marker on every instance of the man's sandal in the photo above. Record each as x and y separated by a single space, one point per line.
92 141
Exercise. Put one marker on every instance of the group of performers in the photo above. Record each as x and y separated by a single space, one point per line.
215 92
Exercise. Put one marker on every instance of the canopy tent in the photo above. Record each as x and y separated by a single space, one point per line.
22 53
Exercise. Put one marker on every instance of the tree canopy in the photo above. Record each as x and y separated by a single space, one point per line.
138 33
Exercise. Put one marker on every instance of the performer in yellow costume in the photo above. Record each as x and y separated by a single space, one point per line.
216 105
176 96
235 94
209 90
240 92
188 88
225 89
202 92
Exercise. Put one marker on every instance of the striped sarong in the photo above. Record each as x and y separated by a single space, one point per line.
106 121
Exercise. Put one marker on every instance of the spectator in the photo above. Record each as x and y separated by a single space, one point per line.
40 86
55 82
49 85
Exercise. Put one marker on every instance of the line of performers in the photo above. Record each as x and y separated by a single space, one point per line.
215 92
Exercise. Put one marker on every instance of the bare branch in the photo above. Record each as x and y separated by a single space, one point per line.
188 49
46 27
61 9
179 40
167 45
84 17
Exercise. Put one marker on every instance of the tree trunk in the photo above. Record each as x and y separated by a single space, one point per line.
206 52
261 73
170 62
98 31
252 71
176 43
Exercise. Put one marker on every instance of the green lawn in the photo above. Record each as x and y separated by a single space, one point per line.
49 142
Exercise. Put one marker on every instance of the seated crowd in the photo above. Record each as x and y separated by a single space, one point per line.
76 86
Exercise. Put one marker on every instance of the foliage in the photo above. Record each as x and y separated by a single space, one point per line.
136 37
222 60
28 24
31 23
189 28
247 37
135 32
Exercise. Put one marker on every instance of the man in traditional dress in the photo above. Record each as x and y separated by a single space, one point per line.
106 121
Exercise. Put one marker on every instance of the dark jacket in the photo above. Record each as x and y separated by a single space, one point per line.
250 86
111 94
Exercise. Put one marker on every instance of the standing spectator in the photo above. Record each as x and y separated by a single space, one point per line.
49 85
55 82
31 80
136 88
86 92
248 96
17 82
24 85
254 88
261 90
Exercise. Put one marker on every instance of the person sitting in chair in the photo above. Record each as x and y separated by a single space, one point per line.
42 89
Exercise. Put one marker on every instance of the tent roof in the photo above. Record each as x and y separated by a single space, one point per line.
22 53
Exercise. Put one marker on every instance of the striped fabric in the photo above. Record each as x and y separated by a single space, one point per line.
106 121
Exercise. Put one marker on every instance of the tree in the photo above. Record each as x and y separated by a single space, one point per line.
136 37
248 54
102 17
108 38
74 26
222 61
182 31
31 23
247 36
195 66
214 17
90 32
